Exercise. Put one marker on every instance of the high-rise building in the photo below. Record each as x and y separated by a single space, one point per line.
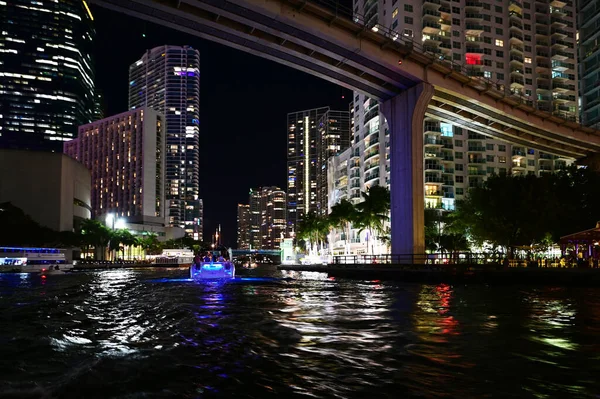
261 223
313 136
243 226
46 72
254 204
526 47
589 47
167 79
125 155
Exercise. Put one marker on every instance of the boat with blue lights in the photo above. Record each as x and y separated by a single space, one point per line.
212 270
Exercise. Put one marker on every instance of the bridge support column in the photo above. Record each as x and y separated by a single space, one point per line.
404 114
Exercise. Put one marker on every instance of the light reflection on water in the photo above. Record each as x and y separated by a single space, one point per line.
124 333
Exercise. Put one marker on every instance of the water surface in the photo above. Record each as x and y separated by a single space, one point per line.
122 334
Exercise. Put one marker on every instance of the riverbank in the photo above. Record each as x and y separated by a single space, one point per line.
481 274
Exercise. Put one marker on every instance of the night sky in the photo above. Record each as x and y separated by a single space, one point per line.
244 101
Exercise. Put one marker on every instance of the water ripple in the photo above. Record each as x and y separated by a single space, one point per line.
124 334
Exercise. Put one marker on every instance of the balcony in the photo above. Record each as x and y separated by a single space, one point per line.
432 128
432 14
431 153
561 87
516 49
519 166
516 37
432 4
371 154
448 182
433 179
431 28
518 153
447 158
433 193
559 55
431 166
514 14
472 29
371 176
448 171
516 59
516 81
433 141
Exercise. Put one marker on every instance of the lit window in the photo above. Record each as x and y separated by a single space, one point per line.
395 12
487 74
499 43
527 60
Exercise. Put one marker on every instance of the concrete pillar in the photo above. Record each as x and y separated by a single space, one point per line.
404 114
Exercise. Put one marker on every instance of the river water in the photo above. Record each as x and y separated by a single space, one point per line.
130 334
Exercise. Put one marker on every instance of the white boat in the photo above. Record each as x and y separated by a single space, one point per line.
212 270
33 260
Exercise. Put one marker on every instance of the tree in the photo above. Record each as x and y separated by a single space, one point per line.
95 234
513 211
373 212
150 244
342 215
313 229
19 229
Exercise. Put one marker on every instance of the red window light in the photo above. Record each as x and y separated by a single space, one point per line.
473 59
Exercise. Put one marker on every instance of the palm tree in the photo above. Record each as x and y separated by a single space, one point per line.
313 229
150 244
373 211
95 234
342 215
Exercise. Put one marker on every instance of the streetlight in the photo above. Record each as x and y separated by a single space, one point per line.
114 223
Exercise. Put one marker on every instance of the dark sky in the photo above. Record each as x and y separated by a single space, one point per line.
244 101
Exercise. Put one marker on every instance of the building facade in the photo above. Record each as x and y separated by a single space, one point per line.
527 47
63 183
589 47
125 156
313 136
243 226
262 223
46 72
167 79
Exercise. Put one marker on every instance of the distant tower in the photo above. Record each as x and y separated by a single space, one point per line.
46 72
314 135
167 78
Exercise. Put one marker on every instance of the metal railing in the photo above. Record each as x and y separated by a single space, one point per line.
439 259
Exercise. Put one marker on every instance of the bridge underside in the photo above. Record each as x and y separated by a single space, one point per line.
304 36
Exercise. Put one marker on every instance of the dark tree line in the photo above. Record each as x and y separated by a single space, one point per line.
513 211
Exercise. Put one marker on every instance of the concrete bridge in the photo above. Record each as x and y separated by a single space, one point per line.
409 82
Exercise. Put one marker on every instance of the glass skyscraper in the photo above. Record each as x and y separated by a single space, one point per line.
46 72
167 79
314 135
589 48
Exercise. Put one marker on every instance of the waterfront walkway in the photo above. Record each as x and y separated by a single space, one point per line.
459 268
